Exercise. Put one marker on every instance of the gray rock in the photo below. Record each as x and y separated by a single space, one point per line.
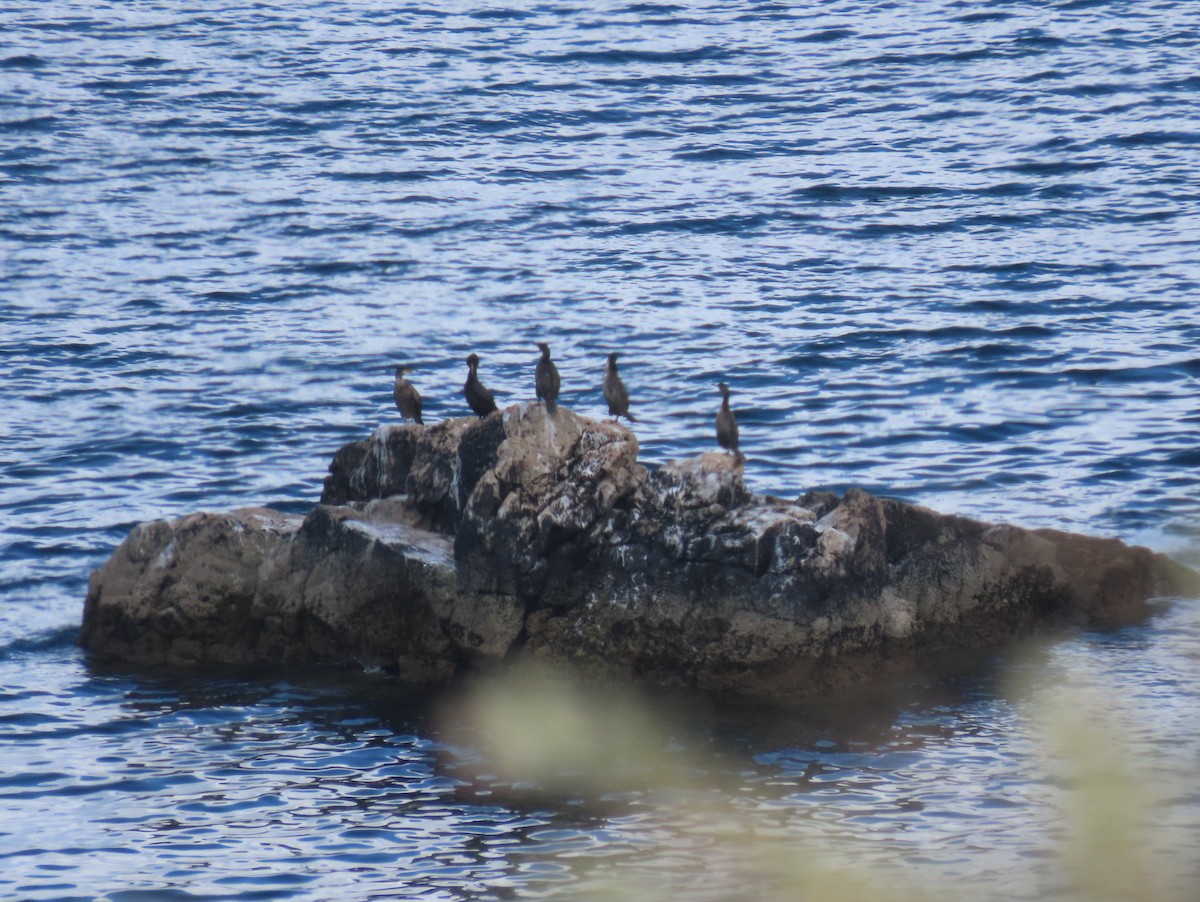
457 545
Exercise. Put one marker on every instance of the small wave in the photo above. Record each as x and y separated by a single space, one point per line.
25 61
932 58
1044 75
1029 285
660 80
168 163
1058 142
310 107
232 296
1133 375
1037 38
990 433
831 193
387 176
344 267
983 353
130 87
56 639
985 16
423 50
491 89
1189 83
814 361
1007 189
1053 167
717 154
501 15
700 225
1121 469
29 172
1072 5
947 115
517 174
628 56
1023 332
826 36
30 124
1071 191
1164 215
875 230
1099 89
1188 457
655 9
1154 139
1037 267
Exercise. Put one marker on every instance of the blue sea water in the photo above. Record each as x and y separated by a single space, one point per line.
945 251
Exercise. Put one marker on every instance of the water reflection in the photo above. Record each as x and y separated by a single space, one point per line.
950 779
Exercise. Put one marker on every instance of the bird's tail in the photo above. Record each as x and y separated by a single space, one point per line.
551 406
631 418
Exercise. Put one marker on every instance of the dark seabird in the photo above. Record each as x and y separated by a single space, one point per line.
407 399
477 394
614 391
546 379
727 431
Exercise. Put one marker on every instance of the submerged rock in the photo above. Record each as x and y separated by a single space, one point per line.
448 547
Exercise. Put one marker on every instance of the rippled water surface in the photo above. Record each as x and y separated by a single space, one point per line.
944 251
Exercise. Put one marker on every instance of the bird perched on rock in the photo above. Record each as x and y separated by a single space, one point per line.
614 391
546 379
727 429
477 394
408 400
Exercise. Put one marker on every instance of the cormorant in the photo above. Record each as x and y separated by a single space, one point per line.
408 401
477 394
727 430
614 391
546 379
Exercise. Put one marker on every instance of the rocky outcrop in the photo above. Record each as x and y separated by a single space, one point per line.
442 548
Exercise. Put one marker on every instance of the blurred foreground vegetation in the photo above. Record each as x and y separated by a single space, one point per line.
544 736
